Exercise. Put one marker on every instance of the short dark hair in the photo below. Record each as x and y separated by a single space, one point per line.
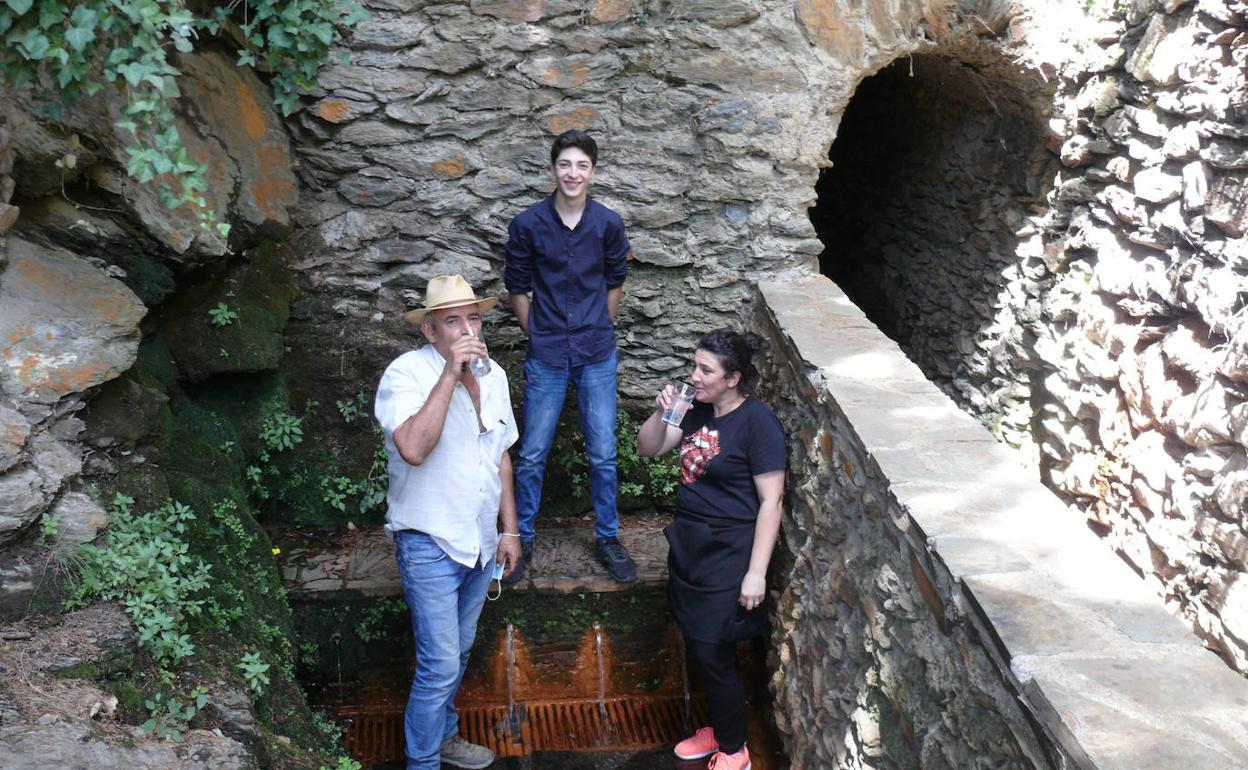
735 352
574 138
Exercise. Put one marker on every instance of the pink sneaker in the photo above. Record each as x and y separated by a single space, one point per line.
702 744
738 761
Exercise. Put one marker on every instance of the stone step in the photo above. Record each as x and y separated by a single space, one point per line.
362 559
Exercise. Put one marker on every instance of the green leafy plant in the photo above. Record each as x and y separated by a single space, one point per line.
372 623
64 49
354 409
144 564
49 525
170 714
656 477
280 430
222 315
255 672
344 763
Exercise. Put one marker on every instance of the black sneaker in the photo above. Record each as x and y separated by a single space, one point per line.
617 561
526 553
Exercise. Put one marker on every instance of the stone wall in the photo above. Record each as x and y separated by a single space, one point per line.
936 606
1090 312
1143 342
713 119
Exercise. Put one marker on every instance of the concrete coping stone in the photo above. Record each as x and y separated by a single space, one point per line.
1111 675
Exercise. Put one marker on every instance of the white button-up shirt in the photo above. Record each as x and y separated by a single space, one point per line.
453 495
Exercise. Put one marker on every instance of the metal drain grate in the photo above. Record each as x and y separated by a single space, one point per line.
622 722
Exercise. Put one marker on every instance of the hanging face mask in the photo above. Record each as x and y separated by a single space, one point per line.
497 576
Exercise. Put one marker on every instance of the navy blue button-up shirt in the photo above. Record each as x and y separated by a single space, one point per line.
569 273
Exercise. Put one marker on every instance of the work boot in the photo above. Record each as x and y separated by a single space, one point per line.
617 561
700 744
526 553
460 753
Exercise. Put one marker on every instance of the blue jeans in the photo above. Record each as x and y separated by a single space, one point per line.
445 599
544 389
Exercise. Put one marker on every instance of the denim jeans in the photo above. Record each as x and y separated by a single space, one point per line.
445 599
544 389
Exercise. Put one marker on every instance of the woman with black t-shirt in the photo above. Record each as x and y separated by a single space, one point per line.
732 460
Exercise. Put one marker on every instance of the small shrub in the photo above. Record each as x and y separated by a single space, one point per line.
222 315
145 565
170 714
255 672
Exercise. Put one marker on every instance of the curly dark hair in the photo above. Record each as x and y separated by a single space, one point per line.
735 352
574 138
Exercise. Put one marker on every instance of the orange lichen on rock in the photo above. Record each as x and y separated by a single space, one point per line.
566 74
274 190
252 117
580 118
827 28
333 110
451 168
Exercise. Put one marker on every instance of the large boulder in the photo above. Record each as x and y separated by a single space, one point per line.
65 325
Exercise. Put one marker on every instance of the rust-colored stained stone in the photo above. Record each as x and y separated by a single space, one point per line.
235 110
451 168
333 110
65 326
565 74
827 26
581 117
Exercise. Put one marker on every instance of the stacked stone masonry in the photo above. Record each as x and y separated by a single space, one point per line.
1141 350
713 119
938 607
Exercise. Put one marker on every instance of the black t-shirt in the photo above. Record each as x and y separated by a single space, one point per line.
720 456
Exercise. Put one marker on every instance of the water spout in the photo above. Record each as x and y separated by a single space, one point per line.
513 719
337 639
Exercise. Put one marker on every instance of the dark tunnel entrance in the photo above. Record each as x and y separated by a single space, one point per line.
926 213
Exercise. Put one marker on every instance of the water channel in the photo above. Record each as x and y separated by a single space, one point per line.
556 680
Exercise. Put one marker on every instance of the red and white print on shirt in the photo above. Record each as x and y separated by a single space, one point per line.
696 451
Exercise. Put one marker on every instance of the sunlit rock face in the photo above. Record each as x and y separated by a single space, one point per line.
1142 347
86 253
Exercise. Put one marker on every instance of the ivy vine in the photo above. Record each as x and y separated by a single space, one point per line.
64 48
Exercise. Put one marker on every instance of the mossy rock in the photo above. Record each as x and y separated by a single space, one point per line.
154 366
125 412
258 291
147 484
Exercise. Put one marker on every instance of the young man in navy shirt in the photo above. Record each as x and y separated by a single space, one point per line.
570 252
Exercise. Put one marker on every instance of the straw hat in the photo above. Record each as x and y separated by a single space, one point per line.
448 291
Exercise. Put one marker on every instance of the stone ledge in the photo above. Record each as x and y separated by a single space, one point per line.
1112 678
363 560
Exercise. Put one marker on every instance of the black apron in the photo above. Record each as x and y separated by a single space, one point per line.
706 562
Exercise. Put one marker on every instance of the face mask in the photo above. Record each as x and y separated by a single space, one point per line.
497 577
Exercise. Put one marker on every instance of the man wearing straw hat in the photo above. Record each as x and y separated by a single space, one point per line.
447 418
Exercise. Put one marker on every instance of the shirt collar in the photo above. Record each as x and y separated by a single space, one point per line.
553 213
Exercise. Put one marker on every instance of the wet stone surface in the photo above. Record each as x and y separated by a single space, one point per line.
563 560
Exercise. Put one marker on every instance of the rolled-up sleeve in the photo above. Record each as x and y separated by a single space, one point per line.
616 249
399 396
518 274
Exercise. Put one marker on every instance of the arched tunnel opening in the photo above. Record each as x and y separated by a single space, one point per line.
925 214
